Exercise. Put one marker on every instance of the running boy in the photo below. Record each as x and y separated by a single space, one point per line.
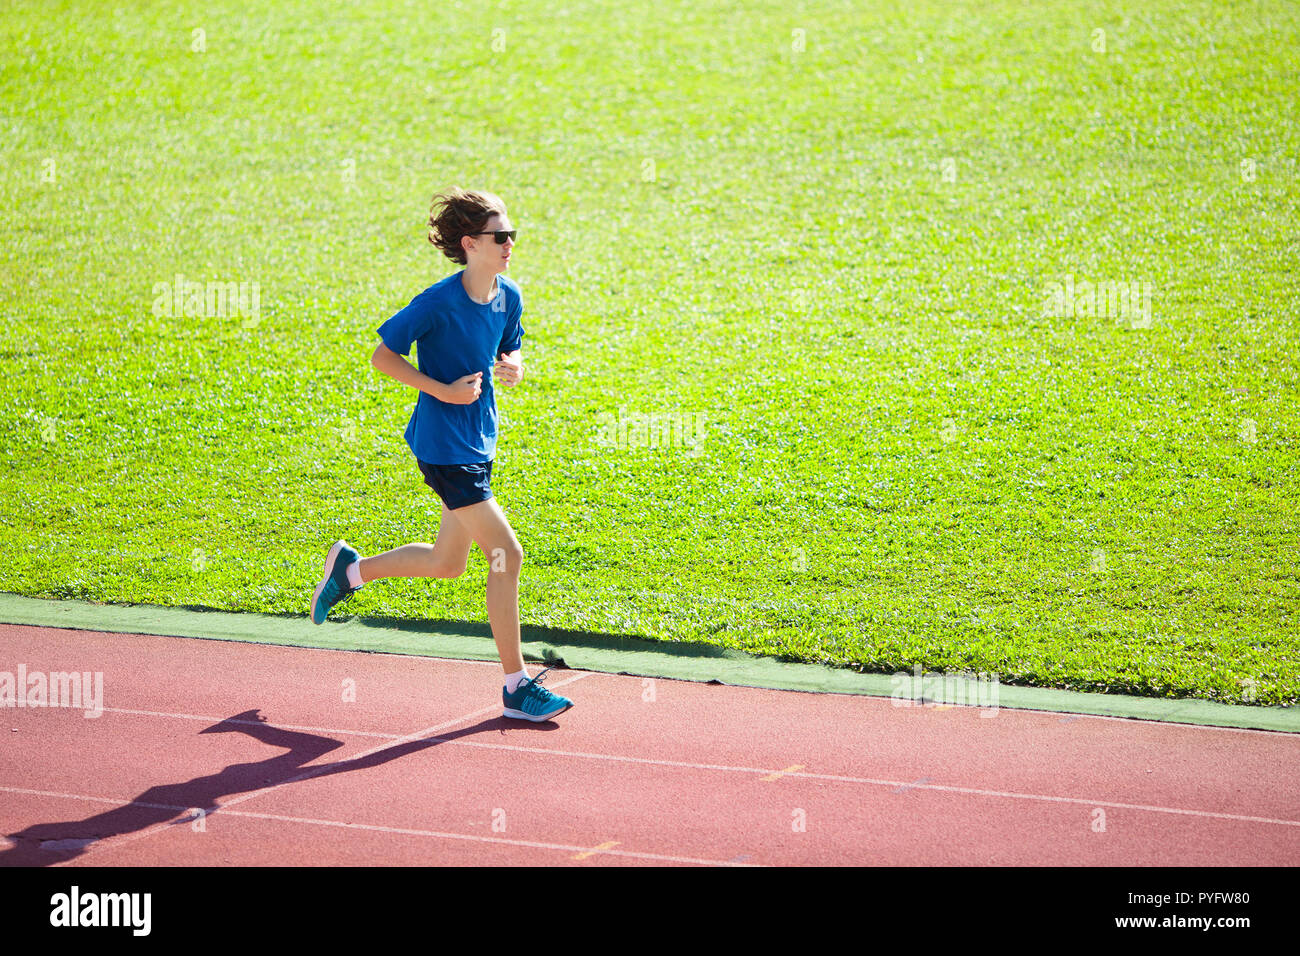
463 326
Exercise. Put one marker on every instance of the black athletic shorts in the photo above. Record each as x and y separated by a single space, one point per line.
459 485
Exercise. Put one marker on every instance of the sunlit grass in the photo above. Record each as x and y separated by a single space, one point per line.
831 250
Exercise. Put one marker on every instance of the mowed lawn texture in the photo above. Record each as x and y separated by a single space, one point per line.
803 376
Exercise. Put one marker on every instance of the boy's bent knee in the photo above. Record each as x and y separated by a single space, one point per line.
441 570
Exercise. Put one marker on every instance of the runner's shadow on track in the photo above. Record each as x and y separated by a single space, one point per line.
175 804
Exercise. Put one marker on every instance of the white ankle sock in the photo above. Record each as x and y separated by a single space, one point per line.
514 680
354 573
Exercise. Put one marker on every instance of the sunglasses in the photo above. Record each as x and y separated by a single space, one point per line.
501 234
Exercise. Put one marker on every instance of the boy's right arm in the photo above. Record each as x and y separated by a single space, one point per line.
463 391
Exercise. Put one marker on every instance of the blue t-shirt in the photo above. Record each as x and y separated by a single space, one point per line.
455 336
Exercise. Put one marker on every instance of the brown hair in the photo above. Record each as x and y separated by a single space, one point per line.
458 213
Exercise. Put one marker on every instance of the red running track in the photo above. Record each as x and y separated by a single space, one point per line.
420 768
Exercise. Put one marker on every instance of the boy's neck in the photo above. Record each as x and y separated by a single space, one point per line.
480 286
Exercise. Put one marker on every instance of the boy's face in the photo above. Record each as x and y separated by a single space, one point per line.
483 251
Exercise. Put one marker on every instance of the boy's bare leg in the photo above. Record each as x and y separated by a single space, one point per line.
445 558
488 526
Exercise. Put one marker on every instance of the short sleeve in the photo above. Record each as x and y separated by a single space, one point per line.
512 337
409 325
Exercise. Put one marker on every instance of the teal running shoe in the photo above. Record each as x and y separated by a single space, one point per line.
335 587
532 701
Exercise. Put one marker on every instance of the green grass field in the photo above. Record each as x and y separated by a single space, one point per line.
822 234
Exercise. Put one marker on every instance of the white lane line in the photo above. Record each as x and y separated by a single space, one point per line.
321 768
903 785
82 796
253 723
1069 715
561 847
404 831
